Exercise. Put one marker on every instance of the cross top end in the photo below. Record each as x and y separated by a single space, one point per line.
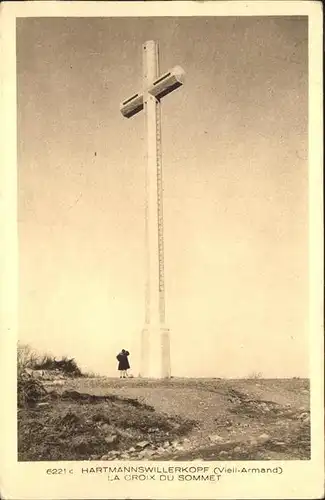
149 44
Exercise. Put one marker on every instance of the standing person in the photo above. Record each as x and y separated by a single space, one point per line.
123 363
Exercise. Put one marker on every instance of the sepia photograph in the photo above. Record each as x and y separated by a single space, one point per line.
163 204
163 238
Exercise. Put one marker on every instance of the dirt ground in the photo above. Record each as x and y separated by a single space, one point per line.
176 419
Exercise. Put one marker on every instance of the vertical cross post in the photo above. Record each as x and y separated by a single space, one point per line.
155 355
155 348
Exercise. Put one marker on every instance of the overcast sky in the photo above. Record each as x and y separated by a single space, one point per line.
235 200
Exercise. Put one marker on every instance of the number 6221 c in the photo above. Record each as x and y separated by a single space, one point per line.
55 472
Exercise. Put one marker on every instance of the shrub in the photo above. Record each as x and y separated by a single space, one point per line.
65 365
26 357
30 391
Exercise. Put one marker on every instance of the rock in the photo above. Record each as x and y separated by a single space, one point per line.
303 415
186 444
174 443
166 444
253 442
131 449
142 454
237 449
223 453
43 404
111 439
105 457
127 433
263 438
160 450
279 444
105 427
149 452
179 447
142 444
125 456
215 438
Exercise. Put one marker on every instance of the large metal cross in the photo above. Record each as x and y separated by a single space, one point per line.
155 342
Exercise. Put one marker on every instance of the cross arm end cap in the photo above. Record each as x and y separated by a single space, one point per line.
178 72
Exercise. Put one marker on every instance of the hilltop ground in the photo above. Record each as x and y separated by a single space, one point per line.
176 419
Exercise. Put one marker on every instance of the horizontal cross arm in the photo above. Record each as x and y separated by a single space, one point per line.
162 86
132 105
168 82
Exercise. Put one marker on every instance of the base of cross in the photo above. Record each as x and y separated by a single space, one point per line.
155 352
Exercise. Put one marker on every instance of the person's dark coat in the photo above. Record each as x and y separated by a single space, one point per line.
123 362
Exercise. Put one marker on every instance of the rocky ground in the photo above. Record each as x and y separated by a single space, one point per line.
176 419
